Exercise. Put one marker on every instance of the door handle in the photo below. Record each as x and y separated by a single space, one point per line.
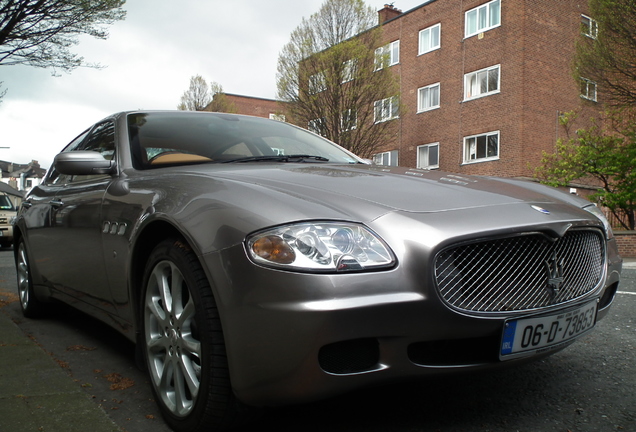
57 203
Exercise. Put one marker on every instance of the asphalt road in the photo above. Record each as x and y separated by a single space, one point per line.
590 386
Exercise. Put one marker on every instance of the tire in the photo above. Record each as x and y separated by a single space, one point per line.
31 306
183 343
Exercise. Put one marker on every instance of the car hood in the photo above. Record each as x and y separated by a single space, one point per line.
400 189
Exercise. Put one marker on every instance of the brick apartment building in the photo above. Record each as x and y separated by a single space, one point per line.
484 82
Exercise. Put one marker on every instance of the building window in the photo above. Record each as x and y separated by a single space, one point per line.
386 109
483 18
349 120
480 148
349 69
278 117
389 158
430 39
317 83
428 98
388 55
482 82
588 89
428 156
589 27
317 126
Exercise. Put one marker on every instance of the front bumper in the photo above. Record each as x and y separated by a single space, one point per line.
6 234
293 337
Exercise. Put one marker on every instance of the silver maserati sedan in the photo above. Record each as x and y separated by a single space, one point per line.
256 264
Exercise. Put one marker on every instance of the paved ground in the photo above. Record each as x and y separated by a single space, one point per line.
36 394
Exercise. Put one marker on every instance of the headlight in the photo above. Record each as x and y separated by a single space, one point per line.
12 220
599 214
320 246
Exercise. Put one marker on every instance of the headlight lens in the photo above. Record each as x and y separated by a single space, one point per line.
320 246
599 214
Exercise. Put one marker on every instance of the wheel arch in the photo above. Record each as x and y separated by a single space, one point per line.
150 235
17 236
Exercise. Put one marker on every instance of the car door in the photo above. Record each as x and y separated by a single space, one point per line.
36 214
76 228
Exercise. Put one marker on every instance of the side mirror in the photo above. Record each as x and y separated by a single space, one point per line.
82 163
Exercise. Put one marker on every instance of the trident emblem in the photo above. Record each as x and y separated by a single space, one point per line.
554 270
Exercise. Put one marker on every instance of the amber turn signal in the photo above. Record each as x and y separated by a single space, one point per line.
274 249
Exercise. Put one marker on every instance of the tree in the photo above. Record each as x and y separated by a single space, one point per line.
604 155
607 54
40 33
197 96
331 81
201 97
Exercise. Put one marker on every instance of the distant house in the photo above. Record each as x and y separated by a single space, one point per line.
21 177
254 106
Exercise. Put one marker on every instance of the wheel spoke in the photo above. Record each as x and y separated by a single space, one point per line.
183 401
164 288
165 385
190 374
178 289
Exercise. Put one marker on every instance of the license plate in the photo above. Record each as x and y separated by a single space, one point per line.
533 335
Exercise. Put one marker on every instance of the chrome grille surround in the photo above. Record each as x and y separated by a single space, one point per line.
514 273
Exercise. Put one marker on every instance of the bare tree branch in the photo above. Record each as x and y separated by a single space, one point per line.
328 79
40 33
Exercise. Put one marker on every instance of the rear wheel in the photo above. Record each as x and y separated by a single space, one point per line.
31 306
183 343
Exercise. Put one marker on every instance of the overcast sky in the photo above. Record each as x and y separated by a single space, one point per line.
150 57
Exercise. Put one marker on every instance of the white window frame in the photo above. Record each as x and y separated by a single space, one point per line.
486 18
317 83
387 55
386 109
277 117
428 98
471 144
386 158
425 162
349 120
471 91
349 69
316 125
588 89
589 26
425 48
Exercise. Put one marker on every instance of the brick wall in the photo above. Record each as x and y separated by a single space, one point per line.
626 241
254 106
533 46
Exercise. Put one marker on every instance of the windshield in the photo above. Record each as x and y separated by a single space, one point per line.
174 138
5 203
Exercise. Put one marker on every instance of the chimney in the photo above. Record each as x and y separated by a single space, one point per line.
389 12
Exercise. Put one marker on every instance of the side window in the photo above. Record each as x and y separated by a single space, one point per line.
53 177
101 140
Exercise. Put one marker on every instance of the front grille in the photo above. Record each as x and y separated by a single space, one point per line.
520 273
4 220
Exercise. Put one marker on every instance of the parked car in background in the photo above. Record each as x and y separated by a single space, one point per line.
257 264
7 218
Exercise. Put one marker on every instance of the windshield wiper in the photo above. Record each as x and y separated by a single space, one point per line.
278 158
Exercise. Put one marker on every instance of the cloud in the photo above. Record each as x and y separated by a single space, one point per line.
149 59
